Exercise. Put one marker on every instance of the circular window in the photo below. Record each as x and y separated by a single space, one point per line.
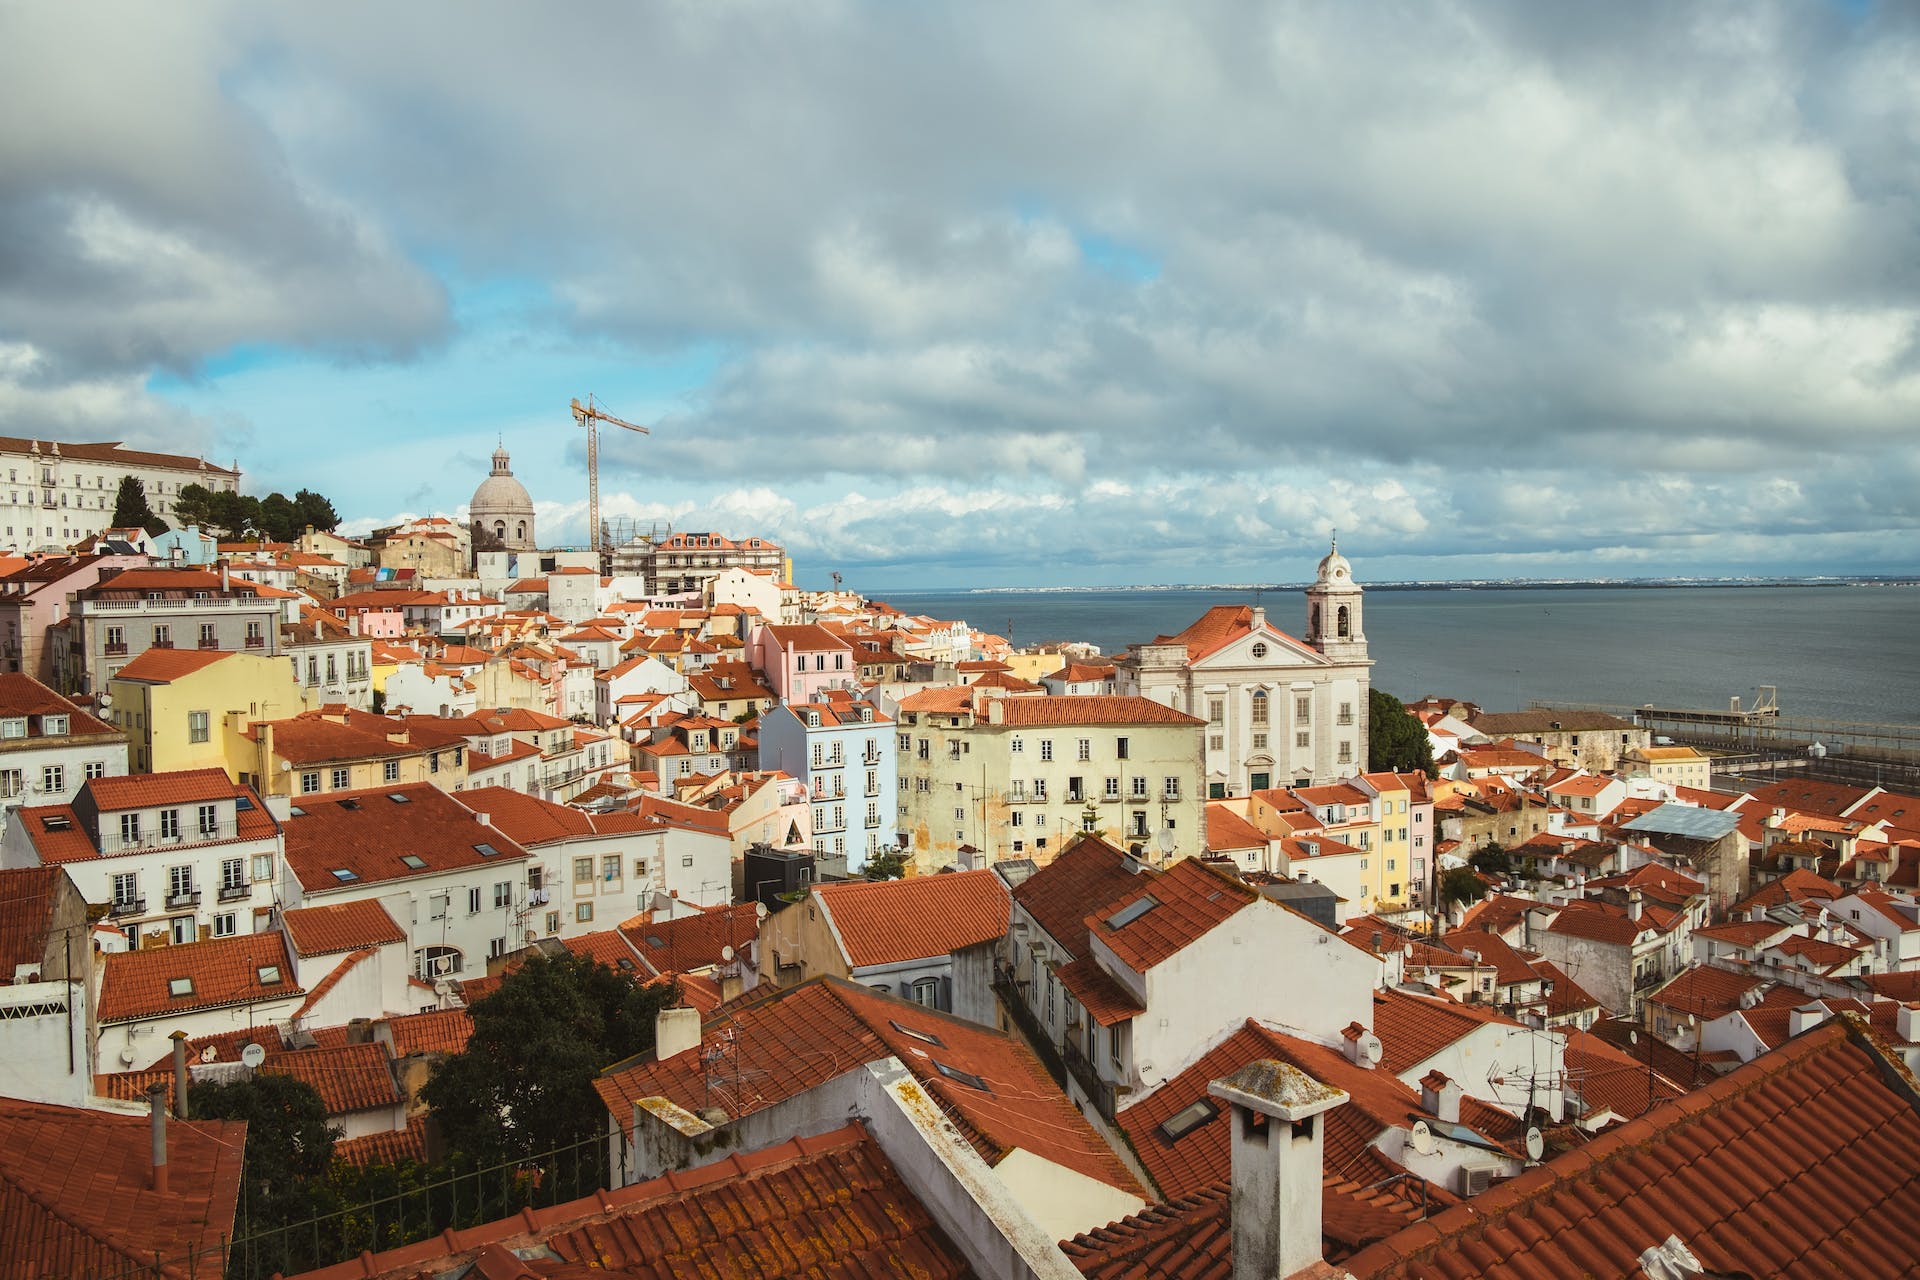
1260 651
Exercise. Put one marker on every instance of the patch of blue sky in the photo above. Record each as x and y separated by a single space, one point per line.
1118 259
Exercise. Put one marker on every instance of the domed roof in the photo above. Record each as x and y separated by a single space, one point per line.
500 493
1334 566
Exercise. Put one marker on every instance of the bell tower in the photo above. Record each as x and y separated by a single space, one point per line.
1334 610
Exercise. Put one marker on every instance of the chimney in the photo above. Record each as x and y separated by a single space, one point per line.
675 1031
1363 1047
1440 1097
179 1039
484 819
359 1030
1259 617
225 582
157 1108
1805 1018
1278 1142
1906 1022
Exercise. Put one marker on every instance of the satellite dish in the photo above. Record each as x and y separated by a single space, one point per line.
1421 1139
105 700
126 1056
444 987
1535 1143
253 1055
1165 840
726 955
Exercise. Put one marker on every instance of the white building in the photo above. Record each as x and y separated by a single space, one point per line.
173 857
57 494
1279 710
48 746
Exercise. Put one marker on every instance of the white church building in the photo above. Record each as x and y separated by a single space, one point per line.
1280 710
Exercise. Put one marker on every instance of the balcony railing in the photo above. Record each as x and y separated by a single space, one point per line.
256 642
1096 1089
1649 980
113 842
116 650
191 898
128 907
209 642
172 604
235 892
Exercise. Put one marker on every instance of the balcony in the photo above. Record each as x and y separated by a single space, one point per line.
870 758
1650 979
128 907
173 604
256 642
209 642
116 650
191 898
1099 1091
163 644
235 892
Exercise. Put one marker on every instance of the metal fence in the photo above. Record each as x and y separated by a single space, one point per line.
442 1199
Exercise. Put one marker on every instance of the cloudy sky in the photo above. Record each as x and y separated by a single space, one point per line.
1010 294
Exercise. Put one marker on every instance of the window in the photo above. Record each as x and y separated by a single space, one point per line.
225 925
179 883
1120 748
340 779
129 828
12 783
1172 788
53 779
1301 740
96 768
1187 1119
925 991
1139 787
1259 742
390 771
583 912
1084 751
13 727
438 962
1346 714
126 891
1216 742
906 742
179 987
169 824
582 870
1112 791
1259 707
163 636
1216 710
1303 709
183 930
473 901
262 866
610 868
503 892
54 726
1346 753
1046 749
207 639
309 782
925 751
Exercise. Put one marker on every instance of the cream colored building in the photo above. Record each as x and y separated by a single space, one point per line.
1279 711
56 494
1675 766
986 776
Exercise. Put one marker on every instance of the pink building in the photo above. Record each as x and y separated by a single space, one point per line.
802 662
35 598
378 615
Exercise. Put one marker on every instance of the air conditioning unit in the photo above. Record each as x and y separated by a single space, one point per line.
1472 1179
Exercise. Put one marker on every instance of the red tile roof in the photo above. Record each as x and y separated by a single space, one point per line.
831 1206
694 942
1413 1028
74 1197
224 971
1608 1078
1596 922
367 833
22 695
1798 885
1106 1001
1705 991
1805 795
799 1038
440 1031
1219 627
1805 1161
1088 873
164 666
353 1077
27 896
1189 899
1100 708
887 921
390 1147
149 790
342 926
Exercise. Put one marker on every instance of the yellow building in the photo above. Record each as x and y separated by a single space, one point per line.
1675 766
319 752
181 707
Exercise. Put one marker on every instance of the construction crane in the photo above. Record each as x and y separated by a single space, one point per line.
590 416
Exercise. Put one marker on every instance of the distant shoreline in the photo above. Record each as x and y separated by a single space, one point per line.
1460 584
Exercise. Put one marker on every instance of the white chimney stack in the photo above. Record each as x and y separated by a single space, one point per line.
1278 1142
1440 1096
1906 1022
1806 1017
675 1031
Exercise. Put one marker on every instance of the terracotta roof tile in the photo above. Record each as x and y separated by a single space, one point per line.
221 971
390 1147
1106 1001
164 666
1805 1161
74 1196
368 833
694 942
439 1031
350 1078
1414 1028
1101 708
27 896
1186 901
343 926
887 921
793 1040
1089 872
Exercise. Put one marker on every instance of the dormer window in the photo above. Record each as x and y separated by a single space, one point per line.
13 727
54 726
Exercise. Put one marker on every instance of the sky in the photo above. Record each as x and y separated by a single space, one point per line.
988 294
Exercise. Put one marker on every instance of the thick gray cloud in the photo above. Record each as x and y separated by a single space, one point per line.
1101 285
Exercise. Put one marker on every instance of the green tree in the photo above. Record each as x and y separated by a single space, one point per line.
888 864
283 1171
1492 859
1396 740
524 1084
130 509
194 505
1461 884
315 510
280 518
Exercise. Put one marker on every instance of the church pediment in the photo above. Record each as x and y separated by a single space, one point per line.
1265 649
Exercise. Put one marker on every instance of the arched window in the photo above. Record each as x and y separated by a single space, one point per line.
520 531
500 530
1345 624
437 962
925 991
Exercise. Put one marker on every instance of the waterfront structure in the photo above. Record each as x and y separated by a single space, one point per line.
986 775
59 493
1279 710
502 506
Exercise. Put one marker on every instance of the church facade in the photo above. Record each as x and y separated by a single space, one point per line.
1280 710
502 507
